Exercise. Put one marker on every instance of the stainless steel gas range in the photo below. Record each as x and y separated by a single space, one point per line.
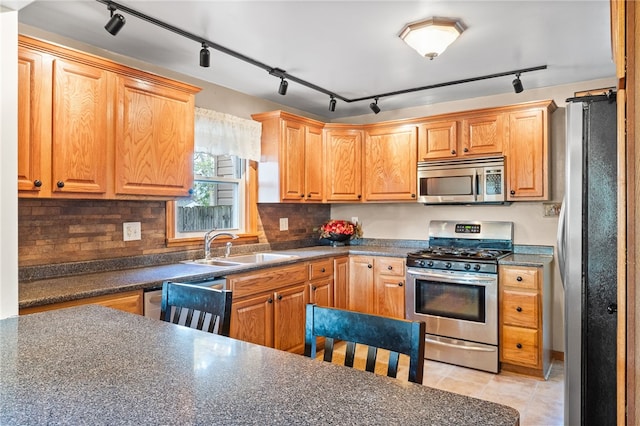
453 286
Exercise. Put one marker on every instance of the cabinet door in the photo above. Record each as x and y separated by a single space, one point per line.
252 319
360 288
343 160
340 282
390 164
321 292
483 134
154 143
437 140
82 107
34 124
289 318
313 164
390 296
292 167
527 161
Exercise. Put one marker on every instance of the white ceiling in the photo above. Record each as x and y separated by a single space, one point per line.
352 48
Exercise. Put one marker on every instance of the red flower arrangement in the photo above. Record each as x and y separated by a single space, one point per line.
340 230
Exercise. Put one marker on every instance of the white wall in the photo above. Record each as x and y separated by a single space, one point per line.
8 163
410 221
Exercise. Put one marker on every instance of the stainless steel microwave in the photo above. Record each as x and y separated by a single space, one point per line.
467 181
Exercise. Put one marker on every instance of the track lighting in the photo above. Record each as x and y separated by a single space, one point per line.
517 84
283 86
204 56
116 22
374 106
332 104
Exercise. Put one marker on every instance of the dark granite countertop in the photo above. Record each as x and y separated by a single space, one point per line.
95 365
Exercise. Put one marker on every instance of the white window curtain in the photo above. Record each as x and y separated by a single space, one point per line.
217 133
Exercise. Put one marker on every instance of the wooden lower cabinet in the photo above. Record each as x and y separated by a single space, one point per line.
130 301
340 281
360 288
525 326
376 285
321 282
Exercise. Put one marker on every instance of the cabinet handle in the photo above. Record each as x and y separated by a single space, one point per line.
301 195
466 150
400 284
279 297
519 309
269 300
309 195
389 267
359 196
323 270
369 266
314 288
453 152
519 346
518 278
60 184
413 195
512 192
37 183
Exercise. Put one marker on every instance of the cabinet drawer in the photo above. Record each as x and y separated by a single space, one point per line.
520 346
520 308
266 280
389 266
321 269
521 277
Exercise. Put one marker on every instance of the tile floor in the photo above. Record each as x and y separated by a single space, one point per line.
540 402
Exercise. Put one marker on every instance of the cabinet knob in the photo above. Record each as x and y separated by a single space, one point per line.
413 195
369 266
323 270
453 152
314 288
519 309
518 278
359 196
519 345
269 300
37 183
512 192
60 184
400 284
309 195
389 267
466 150
279 297
301 195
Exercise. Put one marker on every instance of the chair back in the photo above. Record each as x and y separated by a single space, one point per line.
398 336
195 306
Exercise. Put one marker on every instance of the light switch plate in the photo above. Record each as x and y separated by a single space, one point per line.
131 231
284 223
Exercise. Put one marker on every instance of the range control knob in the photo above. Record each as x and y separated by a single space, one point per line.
467 266
476 267
430 263
448 265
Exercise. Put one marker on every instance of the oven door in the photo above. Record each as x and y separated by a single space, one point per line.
457 305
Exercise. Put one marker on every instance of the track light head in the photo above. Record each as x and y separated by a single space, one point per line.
283 86
517 84
205 56
374 106
116 22
332 104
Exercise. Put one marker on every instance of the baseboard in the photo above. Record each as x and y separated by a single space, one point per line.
557 355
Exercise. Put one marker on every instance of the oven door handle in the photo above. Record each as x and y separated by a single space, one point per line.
454 280
451 345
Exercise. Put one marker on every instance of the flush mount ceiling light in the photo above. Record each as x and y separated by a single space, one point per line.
374 106
517 84
116 22
205 56
432 36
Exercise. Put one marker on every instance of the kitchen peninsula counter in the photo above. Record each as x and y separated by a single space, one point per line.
95 365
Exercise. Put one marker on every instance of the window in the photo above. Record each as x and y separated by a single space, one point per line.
218 197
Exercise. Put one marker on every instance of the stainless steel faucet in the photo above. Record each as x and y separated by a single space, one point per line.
208 238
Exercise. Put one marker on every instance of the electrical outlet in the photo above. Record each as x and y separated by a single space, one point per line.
551 209
284 223
354 219
131 231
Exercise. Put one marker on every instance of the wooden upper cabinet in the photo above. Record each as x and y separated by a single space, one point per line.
82 108
390 164
528 157
92 128
34 124
438 140
292 167
343 164
483 134
154 139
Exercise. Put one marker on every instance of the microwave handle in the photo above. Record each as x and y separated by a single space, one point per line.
476 187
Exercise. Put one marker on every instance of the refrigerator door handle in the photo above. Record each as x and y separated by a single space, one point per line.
562 238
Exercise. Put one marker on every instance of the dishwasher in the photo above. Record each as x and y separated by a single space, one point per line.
153 297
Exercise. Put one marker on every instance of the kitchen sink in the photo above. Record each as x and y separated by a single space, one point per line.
244 259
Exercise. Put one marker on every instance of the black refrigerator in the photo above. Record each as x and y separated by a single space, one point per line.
587 245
